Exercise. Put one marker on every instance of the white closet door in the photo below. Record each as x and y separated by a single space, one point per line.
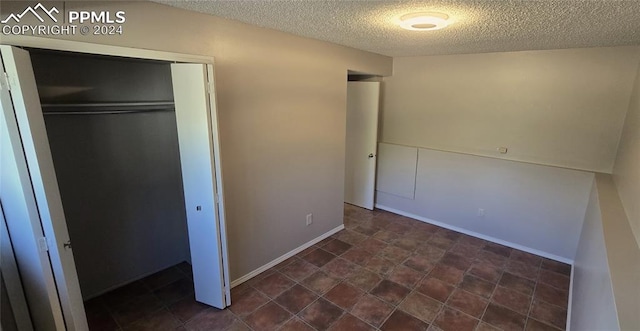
11 277
195 138
32 204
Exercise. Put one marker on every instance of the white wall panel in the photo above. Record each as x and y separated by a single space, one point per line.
538 207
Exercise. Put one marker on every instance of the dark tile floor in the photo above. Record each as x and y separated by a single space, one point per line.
383 272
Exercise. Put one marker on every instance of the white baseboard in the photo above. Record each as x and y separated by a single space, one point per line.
477 235
284 257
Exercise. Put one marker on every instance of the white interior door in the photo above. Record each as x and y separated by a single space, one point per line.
195 122
362 136
32 205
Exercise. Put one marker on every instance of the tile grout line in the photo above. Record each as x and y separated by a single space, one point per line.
533 295
502 271
466 273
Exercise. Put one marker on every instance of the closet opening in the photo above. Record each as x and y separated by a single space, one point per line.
112 131
115 160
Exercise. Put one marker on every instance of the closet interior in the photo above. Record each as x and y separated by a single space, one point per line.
112 130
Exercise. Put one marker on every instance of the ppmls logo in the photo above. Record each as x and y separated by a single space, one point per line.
85 22
34 12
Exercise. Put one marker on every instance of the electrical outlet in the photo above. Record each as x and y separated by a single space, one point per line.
502 150
309 219
480 212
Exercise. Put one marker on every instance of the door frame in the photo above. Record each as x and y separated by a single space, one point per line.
99 49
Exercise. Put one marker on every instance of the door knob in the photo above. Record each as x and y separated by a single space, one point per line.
371 155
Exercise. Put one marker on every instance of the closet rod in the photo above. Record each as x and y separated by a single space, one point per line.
106 104
104 112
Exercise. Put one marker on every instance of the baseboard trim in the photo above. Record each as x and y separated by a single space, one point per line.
477 235
285 256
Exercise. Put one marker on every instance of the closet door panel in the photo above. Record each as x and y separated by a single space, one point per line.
15 309
38 189
193 117
23 223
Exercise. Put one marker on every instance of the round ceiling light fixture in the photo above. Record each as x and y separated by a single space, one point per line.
424 21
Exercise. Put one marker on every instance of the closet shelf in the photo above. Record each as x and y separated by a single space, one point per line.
107 104
103 108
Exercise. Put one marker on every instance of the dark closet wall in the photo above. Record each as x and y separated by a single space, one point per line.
64 77
119 174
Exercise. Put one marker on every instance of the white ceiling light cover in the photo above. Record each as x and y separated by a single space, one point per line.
424 21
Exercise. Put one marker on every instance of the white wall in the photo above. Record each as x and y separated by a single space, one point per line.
537 207
622 252
607 267
592 304
626 172
282 114
556 107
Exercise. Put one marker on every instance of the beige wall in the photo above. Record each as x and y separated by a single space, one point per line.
282 108
558 107
626 172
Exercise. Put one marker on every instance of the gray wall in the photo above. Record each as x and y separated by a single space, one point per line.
64 77
121 188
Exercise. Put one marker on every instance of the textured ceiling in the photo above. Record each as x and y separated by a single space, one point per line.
479 26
